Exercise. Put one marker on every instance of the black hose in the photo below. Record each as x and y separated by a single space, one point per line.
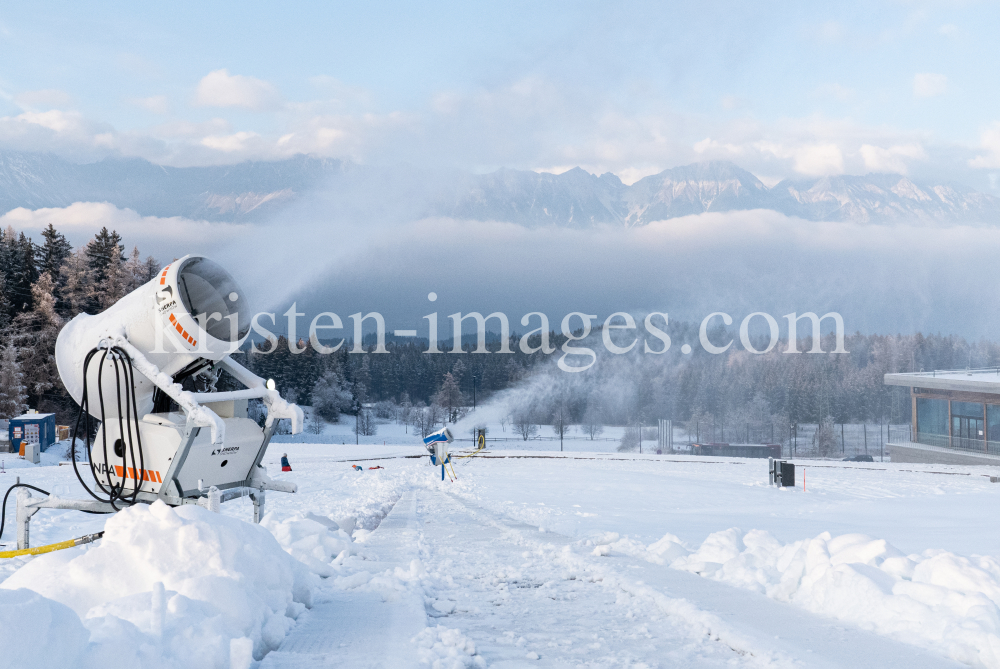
3 509
115 492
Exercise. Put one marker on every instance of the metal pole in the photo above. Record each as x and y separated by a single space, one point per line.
843 447
865 425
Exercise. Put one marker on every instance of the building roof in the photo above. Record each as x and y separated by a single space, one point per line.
966 380
32 416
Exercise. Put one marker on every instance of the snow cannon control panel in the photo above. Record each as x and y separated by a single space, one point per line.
780 473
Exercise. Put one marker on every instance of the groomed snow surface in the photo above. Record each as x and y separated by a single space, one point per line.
528 559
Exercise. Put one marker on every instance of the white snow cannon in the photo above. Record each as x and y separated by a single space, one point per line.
157 441
437 445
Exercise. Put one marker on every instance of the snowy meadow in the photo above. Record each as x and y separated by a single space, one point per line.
529 557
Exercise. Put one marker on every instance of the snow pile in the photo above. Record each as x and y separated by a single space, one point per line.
445 648
26 620
936 599
314 540
164 588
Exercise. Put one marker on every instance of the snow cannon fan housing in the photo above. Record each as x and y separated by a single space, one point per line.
193 310
182 324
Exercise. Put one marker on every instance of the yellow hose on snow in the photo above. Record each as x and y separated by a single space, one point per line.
69 543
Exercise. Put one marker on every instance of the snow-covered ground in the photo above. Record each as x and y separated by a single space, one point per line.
528 559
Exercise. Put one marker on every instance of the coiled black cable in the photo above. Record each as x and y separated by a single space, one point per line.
115 492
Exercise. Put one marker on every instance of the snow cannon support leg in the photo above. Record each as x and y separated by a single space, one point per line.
24 514
258 505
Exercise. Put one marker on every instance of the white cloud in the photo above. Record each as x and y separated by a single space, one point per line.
54 119
989 139
891 159
165 236
49 98
156 104
190 130
928 84
813 159
238 141
221 89
949 29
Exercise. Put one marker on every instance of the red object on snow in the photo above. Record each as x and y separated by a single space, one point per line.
285 466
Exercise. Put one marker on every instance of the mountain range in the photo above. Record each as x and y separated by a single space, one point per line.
257 191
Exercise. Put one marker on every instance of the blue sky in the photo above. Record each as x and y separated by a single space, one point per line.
783 89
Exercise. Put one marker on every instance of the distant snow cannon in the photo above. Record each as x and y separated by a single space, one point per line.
128 367
437 445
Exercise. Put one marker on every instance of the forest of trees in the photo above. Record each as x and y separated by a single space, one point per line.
44 284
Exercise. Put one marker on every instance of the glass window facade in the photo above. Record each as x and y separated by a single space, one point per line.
968 409
932 422
993 422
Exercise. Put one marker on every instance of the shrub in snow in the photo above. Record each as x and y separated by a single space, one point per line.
630 440
173 587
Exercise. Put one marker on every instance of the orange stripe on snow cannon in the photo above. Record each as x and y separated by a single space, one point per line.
150 475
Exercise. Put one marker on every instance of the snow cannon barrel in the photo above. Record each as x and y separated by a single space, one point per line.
192 310
442 435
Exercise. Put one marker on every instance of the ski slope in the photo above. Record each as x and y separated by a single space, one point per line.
530 559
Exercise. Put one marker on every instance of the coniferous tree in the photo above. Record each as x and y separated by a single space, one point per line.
4 302
53 252
27 272
34 336
102 251
10 264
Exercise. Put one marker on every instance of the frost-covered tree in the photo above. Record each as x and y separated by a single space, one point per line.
826 438
78 292
524 424
34 335
12 390
330 396
116 283
314 424
139 271
449 397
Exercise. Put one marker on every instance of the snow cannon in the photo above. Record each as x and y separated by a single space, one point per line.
144 373
437 445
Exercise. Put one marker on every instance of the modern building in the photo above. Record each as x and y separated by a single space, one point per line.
956 417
